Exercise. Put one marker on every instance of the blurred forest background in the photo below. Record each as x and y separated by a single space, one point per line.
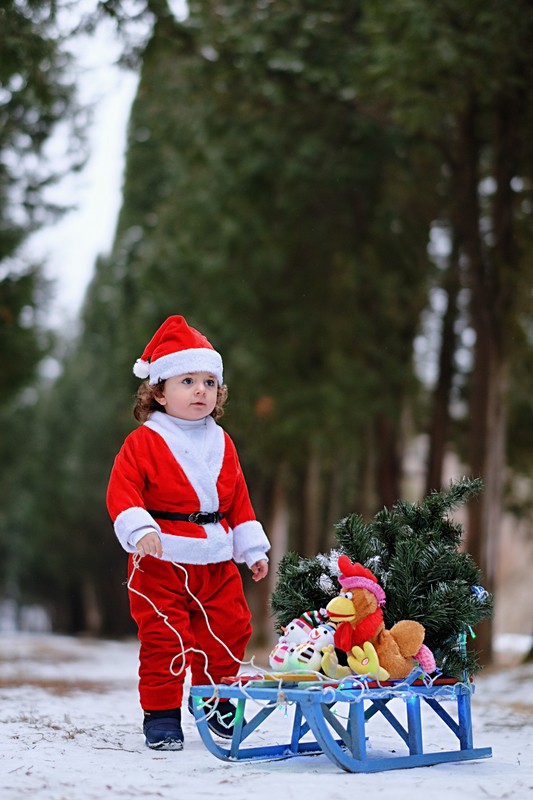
339 194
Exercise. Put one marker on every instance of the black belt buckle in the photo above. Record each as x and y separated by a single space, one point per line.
200 517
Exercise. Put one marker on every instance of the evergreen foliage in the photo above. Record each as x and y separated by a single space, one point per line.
286 167
36 93
23 343
413 550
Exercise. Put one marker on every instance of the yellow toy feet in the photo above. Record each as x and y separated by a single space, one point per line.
365 661
330 664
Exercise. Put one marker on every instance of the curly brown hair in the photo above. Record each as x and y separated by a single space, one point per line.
146 400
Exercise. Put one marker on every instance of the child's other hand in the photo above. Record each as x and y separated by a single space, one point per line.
150 545
259 570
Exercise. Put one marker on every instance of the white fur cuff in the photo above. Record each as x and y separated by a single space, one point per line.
249 542
131 520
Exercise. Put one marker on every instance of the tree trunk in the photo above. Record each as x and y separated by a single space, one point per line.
91 607
492 273
468 219
313 510
367 495
388 466
334 510
278 533
488 408
440 412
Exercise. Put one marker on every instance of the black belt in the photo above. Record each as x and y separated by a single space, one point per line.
199 517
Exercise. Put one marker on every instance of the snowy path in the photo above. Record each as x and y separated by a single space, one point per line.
70 726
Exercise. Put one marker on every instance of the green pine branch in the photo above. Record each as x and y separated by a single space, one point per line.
414 551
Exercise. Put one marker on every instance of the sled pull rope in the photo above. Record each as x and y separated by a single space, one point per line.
182 654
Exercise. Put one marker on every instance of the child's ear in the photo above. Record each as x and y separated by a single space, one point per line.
160 398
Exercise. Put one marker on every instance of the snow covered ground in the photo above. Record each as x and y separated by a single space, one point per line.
70 725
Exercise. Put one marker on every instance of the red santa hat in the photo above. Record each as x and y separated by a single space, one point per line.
355 576
175 349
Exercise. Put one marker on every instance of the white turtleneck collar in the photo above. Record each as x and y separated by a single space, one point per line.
194 429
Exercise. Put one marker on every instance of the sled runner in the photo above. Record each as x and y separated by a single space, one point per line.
336 720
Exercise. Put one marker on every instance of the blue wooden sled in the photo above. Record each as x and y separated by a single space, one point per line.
343 737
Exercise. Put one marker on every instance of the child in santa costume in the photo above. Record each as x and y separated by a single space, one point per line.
179 503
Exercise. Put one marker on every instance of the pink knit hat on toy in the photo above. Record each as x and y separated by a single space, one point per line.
176 349
355 576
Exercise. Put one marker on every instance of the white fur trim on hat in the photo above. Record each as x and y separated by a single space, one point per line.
196 359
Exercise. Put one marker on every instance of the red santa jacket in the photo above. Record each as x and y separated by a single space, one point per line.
159 468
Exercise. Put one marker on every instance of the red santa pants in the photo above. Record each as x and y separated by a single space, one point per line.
218 587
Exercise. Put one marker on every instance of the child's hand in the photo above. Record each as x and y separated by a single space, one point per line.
150 545
259 570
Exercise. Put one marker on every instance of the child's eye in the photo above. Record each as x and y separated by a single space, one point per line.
210 382
187 381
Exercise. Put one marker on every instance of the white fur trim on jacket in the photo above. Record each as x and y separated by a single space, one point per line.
250 542
216 548
132 520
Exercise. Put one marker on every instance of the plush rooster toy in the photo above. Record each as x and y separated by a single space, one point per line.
361 633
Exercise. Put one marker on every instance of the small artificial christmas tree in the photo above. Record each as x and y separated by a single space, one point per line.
413 550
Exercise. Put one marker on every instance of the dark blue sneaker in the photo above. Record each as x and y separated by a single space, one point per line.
162 730
221 722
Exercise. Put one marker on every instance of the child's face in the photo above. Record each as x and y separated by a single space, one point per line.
190 396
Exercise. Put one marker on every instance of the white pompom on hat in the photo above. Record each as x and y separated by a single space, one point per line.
176 349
